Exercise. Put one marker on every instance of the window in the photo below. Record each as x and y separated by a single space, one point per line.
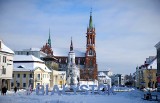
38 76
3 70
18 84
18 75
27 53
4 59
30 75
13 75
24 75
24 84
91 63
12 84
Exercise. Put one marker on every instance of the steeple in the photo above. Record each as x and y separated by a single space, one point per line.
49 39
90 20
71 46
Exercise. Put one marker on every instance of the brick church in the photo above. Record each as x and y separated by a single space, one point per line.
85 59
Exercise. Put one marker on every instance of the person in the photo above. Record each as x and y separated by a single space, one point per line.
15 89
4 90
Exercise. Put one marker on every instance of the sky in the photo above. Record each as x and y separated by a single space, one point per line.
126 30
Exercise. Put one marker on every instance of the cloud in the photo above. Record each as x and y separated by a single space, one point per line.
126 30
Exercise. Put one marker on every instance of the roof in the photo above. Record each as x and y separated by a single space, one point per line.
29 66
153 64
103 74
26 58
157 45
64 52
4 48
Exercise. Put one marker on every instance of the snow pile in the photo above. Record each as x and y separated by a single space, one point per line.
151 89
133 96
122 89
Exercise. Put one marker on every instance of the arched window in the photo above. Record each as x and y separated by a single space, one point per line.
90 52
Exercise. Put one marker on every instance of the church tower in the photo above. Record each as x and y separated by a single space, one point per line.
90 72
72 73
47 47
49 39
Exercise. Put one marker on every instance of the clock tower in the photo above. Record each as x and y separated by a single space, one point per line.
90 71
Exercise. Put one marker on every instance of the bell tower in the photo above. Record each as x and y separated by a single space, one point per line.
90 71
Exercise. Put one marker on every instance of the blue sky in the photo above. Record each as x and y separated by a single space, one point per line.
126 30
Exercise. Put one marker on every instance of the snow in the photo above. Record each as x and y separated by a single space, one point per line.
101 74
21 96
153 64
64 52
26 58
27 66
4 48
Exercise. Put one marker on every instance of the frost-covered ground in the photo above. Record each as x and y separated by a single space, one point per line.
133 96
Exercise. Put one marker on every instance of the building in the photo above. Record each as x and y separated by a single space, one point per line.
146 74
158 65
57 78
104 79
32 51
107 72
73 72
29 70
117 79
85 58
6 65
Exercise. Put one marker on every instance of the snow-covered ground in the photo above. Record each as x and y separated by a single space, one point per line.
133 96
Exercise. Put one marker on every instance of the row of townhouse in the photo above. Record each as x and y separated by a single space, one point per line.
25 69
148 74
29 70
145 75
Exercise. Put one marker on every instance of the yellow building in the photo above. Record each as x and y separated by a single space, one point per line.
146 74
29 70
58 78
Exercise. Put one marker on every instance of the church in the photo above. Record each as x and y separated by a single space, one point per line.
84 59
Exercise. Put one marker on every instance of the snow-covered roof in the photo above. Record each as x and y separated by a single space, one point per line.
26 58
4 48
29 66
153 64
64 52
101 74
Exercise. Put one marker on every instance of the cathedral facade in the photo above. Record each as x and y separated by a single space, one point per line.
85 59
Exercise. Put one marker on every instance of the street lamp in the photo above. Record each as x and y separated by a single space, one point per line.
150 77
62 78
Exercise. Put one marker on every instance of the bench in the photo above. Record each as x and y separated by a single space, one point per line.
150 97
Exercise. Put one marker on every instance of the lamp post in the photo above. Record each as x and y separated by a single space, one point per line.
150 78
62 78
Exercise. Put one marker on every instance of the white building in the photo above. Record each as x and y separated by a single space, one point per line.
73 72
104 79
32 51
29 70
6 65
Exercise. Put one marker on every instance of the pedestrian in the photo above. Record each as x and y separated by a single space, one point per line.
15 89
4 90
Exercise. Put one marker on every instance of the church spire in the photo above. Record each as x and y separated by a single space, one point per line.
71 46
49 39
90 20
